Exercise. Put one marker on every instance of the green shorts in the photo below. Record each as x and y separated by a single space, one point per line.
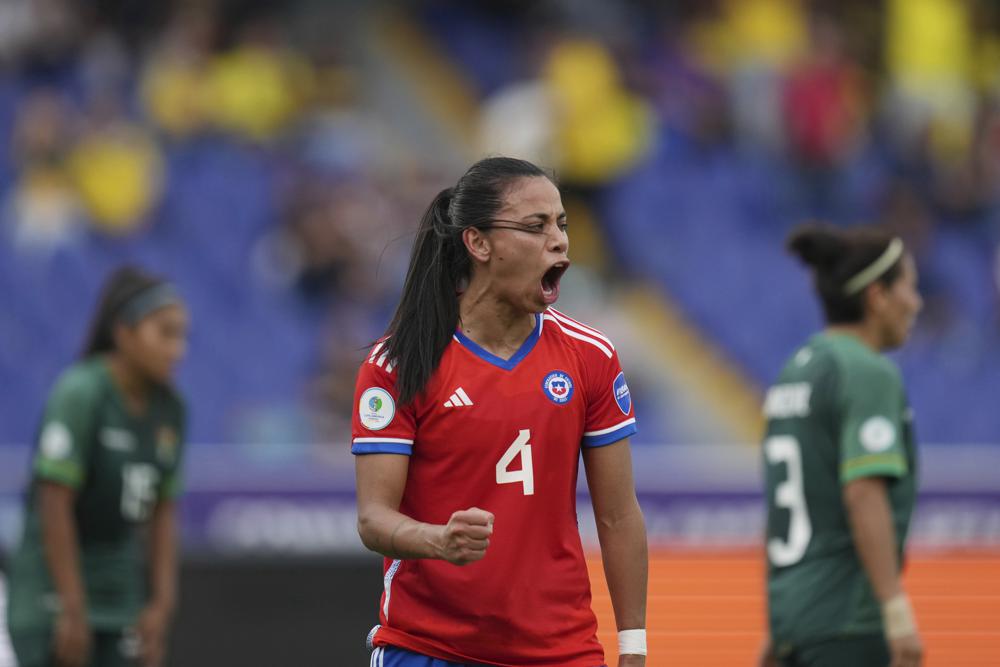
33 648
856 651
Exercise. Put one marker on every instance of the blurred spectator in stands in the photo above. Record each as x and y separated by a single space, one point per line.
966 187
174 84
257 87
317 251
604 129
333 133
761 40
105 64
18 24
39 35
521 117
520 120
685 82
824 114
929 61
116 167
42 208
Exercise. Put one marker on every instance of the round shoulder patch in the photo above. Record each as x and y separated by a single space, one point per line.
877 434
558 386
376 409
56 441
622 395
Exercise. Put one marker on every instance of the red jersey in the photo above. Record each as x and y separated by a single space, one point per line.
504 436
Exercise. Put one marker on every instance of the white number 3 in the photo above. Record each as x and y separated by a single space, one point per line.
789 495
526 475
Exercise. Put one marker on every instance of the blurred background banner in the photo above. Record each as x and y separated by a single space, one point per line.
273 159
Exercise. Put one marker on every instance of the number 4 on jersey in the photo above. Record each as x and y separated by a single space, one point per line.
526 475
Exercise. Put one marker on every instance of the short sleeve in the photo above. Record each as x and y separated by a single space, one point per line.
610 414
67 430
172 444
871 437
379 424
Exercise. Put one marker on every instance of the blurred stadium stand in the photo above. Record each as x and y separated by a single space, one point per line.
273 159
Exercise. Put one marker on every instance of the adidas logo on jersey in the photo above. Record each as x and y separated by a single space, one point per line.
458 400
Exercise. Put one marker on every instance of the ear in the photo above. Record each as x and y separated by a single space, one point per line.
875 297
121 334
477 243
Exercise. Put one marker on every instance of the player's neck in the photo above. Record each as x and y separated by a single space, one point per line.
494 326
133 387
866 332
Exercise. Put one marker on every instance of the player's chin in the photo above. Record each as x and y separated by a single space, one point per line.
161 371
537 304
898 338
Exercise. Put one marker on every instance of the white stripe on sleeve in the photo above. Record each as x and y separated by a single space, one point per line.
404 441
570 322
610 428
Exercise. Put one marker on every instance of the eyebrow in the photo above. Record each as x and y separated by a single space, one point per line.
544 216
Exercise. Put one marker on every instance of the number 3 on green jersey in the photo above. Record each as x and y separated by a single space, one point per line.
789 495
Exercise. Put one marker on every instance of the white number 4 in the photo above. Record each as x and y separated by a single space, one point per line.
526 475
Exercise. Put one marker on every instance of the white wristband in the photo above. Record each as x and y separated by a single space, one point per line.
898 618
632 642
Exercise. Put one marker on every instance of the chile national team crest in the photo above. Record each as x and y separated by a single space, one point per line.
558 386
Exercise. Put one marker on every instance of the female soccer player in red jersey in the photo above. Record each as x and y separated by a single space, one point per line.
471 417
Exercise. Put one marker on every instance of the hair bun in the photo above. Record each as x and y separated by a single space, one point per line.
817 245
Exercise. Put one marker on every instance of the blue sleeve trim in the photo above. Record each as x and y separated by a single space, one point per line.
610 438
381 448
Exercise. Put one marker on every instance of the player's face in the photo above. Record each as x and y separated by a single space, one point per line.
529 245
902 304
158 342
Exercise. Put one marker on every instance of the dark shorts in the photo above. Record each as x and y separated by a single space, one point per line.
390 656
859 651
33 648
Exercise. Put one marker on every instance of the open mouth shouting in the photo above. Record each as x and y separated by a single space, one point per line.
550 281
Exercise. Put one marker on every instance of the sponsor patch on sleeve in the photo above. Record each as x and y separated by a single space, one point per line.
877 434
376 409
622 395
56 441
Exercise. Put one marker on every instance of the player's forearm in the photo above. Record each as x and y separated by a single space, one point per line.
870 518
395 535
163 557
62 552
626 561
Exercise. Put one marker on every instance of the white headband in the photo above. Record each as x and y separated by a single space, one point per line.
867 276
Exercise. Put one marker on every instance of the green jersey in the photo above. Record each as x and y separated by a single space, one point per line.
837 413
121 465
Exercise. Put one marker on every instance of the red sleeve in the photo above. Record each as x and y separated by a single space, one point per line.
379 424
610 416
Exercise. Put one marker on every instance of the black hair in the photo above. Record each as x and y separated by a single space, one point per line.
119 288
836 255
427 314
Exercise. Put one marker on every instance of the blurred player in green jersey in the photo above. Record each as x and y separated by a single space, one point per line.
840 463
93 582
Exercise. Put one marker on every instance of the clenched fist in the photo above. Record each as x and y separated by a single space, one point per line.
466 536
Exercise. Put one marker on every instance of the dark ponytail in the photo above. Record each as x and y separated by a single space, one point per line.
835 256
119 289
427 314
